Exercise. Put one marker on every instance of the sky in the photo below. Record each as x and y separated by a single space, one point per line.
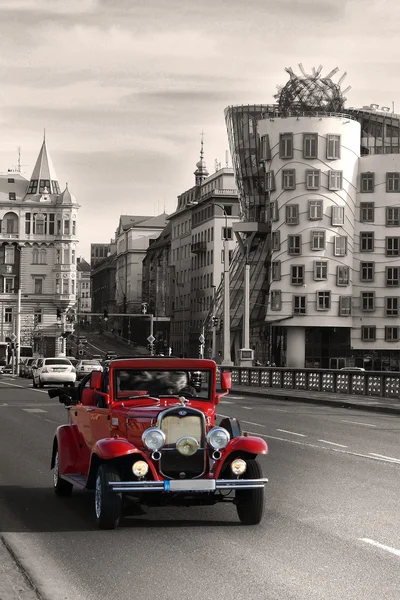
124 88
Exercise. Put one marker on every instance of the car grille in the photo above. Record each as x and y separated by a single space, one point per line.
191 423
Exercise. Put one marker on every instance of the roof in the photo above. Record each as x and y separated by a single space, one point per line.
127 222
18 186
44 168
83 265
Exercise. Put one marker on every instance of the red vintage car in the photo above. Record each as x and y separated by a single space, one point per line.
146 428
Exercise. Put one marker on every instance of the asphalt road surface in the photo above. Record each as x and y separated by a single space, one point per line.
331 530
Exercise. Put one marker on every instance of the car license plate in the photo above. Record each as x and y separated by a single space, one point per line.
189 485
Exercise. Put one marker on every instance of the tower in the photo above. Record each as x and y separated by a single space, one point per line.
201 170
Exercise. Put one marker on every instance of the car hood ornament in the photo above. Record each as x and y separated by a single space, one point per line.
183 400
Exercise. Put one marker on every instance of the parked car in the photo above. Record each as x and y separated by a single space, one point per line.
6 369
74 361
110 355
151 436
53 370
27 367
86 366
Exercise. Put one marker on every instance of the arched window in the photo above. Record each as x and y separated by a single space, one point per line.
35 256
42 256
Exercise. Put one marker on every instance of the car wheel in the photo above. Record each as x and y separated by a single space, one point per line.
41 384
61 487
34 384
108 505
250 503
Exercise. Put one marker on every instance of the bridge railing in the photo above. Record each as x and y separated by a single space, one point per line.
363 383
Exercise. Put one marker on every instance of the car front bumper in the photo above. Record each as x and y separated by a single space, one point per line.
187 485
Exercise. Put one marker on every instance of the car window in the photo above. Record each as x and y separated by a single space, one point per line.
169 382
57 361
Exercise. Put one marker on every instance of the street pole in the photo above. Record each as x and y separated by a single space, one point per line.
246 306
63 340
18 329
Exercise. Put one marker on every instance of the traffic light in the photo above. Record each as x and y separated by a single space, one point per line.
145 308
58 313
215 321
105 314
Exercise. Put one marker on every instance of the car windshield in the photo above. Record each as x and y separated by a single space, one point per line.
132 383
57 361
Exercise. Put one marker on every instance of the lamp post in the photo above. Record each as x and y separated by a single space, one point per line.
226 356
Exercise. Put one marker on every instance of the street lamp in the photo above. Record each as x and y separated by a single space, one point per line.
226 357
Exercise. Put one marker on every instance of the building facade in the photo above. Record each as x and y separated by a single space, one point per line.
38 238
83 290
103 285
330 179
98 252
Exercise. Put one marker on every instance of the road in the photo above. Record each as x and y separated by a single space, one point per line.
98 343
331 529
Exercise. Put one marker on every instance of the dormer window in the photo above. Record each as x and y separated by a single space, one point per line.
44 186
12 196
55 188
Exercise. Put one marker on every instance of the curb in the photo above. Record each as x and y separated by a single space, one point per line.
22 571
325 402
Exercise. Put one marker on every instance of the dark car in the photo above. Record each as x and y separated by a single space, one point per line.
141 429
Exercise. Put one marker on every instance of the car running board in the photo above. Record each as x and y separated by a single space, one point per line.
76 479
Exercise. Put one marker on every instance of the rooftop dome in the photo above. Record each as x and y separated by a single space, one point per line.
311 92
66 197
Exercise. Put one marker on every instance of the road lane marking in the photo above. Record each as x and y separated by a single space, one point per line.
223 416
12 384
225 402
381 546
333 443
358 423
34 410
235 398
396 460
291 432
308 445
250 423
248 407
25 387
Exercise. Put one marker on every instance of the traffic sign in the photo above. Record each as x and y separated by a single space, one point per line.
13 337
202 339
151 339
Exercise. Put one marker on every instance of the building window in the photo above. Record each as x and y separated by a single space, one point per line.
12 196
65 286
335 180
228 209
312 179
392 276
292 214
391 306
8 315
393 182
9 255
37 316
276 270
269 181
318 240
367 182
342 275
273 209
265 148
27 223
297 274
337 216
299 305
367 212
66 227
227 233
315 210
286 145
8 287
288 179
323 300
344 306
66 256
32 189
51 224
38 286
367 301
294 245
367 241
320 270
392 217
367 271
35 256
310 145
39 226
73 257
276 240
340 245
11 226
368 333
276 300
333 147
391 333
11 180
393 246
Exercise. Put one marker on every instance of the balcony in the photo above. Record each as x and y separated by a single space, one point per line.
199 247
9 236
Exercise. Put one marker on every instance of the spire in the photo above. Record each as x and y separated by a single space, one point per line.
201 170
44 174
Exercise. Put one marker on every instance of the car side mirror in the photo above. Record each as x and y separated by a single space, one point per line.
226 381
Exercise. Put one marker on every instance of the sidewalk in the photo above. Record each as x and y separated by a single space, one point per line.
369 403
13 583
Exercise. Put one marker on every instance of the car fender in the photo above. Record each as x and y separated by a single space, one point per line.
249 446
110 448
71 459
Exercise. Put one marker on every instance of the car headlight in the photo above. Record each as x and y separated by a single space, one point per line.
187 445
140 468
153 438
218 438
238 466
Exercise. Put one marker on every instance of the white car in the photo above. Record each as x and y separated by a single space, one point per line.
53 370
86 366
